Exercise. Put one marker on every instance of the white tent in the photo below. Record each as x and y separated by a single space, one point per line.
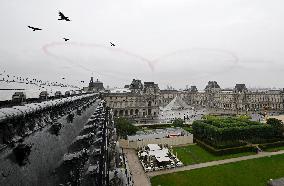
163 159
153 147
159 152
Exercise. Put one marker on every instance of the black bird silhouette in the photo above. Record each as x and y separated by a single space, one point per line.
63 17
65 39
111 44
6 174
34 28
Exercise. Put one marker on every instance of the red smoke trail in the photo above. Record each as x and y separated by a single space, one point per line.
46 47
234 62
235 58
150 63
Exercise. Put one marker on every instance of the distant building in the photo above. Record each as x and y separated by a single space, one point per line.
212 86
193 89
240 88
95 86
137 102
136 85
19 97
237 99
142 102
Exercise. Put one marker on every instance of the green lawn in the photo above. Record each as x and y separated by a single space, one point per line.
255 172
193 154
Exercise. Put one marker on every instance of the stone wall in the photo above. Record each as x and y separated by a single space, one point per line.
175 141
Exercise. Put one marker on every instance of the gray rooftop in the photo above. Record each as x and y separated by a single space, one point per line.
277 182
157 133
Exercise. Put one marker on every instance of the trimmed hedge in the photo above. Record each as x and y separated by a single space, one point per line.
270 145
225 151
229 132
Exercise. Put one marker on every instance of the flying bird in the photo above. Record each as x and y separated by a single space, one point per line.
63 17
65 39
6 174
111 44
34 28
63 78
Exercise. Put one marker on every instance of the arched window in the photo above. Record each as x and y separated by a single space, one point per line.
115 113
136 112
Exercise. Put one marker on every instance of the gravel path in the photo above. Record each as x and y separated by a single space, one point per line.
138 174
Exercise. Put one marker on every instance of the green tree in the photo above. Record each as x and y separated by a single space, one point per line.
125 127
276 123
244 117
178 122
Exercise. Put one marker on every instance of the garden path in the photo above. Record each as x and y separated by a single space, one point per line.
138 174
212 163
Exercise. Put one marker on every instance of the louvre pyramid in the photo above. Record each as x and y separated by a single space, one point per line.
177 104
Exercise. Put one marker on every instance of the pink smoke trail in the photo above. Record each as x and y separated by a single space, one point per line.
46 47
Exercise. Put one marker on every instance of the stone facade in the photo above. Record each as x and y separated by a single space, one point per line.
140 102
237 99
95 86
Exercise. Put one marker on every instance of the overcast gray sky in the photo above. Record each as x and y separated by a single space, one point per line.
171 42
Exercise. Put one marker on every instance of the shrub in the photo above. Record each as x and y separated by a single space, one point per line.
270 145
125 127
178 122
275 123
226 150
244 117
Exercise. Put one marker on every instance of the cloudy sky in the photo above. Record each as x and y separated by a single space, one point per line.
171 42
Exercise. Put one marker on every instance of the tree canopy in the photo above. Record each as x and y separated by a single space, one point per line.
276 123
178 122
125 127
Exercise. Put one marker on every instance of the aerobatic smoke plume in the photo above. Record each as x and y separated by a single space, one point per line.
231 59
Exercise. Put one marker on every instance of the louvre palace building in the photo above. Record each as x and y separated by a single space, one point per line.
142 102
